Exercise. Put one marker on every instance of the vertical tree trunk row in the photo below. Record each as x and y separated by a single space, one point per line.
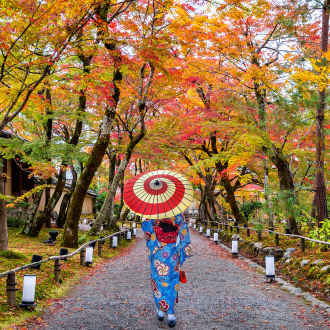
320 191
3 214
66 199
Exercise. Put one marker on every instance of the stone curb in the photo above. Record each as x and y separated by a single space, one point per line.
316 303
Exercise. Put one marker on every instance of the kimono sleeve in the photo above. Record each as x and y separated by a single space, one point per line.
150 237
185 245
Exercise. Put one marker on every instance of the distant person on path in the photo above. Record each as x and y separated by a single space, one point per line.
169 244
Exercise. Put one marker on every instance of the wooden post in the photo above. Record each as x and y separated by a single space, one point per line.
259 236
302 244
57 269
231 228
110 242
237 229
247 232
277 240
99 248
82 257
226 227
11 289
118 241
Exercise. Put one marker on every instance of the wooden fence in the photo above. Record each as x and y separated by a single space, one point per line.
11 274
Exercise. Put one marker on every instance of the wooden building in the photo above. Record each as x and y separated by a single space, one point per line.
17 183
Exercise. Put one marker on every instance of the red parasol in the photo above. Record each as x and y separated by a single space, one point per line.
158 194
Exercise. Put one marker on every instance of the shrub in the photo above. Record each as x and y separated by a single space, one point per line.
11 255
83 239
15 223
313 272
249 207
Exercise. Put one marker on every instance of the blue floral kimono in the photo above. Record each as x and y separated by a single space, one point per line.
166 259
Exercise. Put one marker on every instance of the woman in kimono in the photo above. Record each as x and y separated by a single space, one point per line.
169 244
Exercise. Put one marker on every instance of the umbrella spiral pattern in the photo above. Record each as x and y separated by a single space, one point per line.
158 194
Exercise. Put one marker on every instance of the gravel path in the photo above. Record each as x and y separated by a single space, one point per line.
220 293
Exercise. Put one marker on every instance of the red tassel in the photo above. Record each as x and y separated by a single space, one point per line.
183 278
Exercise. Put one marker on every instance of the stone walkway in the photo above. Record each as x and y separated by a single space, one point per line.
220 293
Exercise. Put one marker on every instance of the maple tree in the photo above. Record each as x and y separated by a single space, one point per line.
33 37
103 23
151 59
225 93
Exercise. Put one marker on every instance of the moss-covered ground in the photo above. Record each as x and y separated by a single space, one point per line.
21 249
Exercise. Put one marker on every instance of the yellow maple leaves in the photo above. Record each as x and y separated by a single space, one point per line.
317 74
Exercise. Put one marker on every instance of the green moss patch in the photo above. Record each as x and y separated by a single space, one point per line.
12 255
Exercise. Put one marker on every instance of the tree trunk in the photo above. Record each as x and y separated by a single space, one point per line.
32 212
320 191
112 169
276 156
124 215
42 218
266 195
63 210
47 199
232 201
286 186
218 207
66 200
3 214
210 202
203 214
112 219
221 168
313 212
129 149
121 197
112 191
48 127
70 235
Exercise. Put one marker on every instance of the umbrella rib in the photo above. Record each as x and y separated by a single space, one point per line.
180 201
185 192
146 192
175 189
157 198
134 194
169 203
162 203
147 205
148 200
139 200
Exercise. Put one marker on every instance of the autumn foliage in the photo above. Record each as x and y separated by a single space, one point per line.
231 94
